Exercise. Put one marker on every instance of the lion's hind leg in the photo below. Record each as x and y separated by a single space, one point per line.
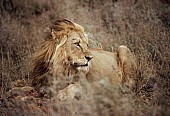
127 62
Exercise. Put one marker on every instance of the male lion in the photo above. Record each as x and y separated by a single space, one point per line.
66 53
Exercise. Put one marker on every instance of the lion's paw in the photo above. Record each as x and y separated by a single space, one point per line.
62 95
69 92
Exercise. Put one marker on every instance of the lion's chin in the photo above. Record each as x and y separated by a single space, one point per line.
83 69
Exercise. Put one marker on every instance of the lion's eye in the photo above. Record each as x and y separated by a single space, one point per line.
77 45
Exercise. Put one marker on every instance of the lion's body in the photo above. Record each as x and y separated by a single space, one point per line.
105 65
67 54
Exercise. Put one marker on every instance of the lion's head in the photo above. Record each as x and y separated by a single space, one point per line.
65 52
72 45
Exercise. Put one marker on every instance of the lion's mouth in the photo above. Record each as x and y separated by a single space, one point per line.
80 65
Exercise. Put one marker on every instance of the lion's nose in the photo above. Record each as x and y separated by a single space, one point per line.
88 57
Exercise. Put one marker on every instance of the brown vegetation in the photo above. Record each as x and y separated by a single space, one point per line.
142 25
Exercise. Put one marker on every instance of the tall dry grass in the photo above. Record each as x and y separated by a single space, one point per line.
142 25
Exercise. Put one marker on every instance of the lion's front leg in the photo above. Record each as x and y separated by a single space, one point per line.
69 92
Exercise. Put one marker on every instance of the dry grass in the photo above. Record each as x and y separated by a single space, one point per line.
142 25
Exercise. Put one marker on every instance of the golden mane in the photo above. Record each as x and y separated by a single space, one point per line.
48 52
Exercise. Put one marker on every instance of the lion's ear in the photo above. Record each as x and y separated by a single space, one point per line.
58 39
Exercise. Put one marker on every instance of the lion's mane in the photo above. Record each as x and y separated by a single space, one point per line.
50 55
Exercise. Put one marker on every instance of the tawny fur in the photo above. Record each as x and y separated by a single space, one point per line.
58 56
